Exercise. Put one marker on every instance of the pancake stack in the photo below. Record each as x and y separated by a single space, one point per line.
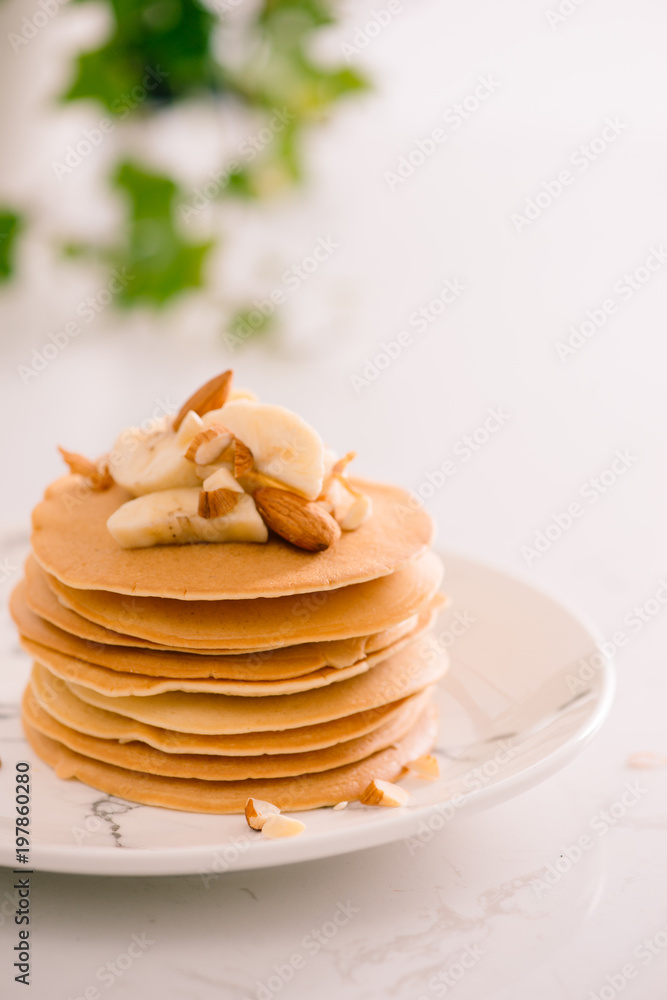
193 677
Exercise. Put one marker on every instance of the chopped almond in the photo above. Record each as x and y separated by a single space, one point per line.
384 793
257 811
243 460
98 477
217 503
208 445
210 396
425 766
282 826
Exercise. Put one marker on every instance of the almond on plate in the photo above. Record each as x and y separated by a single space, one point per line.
257 811
384 793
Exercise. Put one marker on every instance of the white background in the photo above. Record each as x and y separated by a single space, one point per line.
494 347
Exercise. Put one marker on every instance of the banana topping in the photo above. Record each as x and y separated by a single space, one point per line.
145 461
282 444
226 469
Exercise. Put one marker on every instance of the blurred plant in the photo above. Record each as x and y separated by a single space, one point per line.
163 52
10 224
154 253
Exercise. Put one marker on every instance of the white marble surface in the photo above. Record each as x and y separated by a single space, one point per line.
473 885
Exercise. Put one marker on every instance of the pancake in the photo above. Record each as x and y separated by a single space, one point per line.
307 791
359 609
54 696
141 757
43 602
115 684
210 714
267 665
69 526
194 676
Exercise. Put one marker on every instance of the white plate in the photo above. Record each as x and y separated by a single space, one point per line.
528 687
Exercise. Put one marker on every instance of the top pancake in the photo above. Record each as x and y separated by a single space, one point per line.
71 542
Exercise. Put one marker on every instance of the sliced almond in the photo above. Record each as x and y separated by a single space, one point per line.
342 463
426 766
340 806
257 811
207 446
282 826
302 522
384 793
336 472
210 396
217 503
98 477
191 424
78 464
243 460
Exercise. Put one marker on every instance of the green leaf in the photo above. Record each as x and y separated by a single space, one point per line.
158 52
158 261
239 183
151 195
10 226
297 15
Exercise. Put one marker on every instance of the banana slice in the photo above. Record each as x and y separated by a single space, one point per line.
240 393
349 507
283 445
169 517
144 461
191 425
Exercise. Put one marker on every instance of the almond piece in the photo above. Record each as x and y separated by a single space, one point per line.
257 811
210 396
336 472
98 478
343 463
302 522
217 503
282 826
208 445
384 793
340 806
426 766
243 460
